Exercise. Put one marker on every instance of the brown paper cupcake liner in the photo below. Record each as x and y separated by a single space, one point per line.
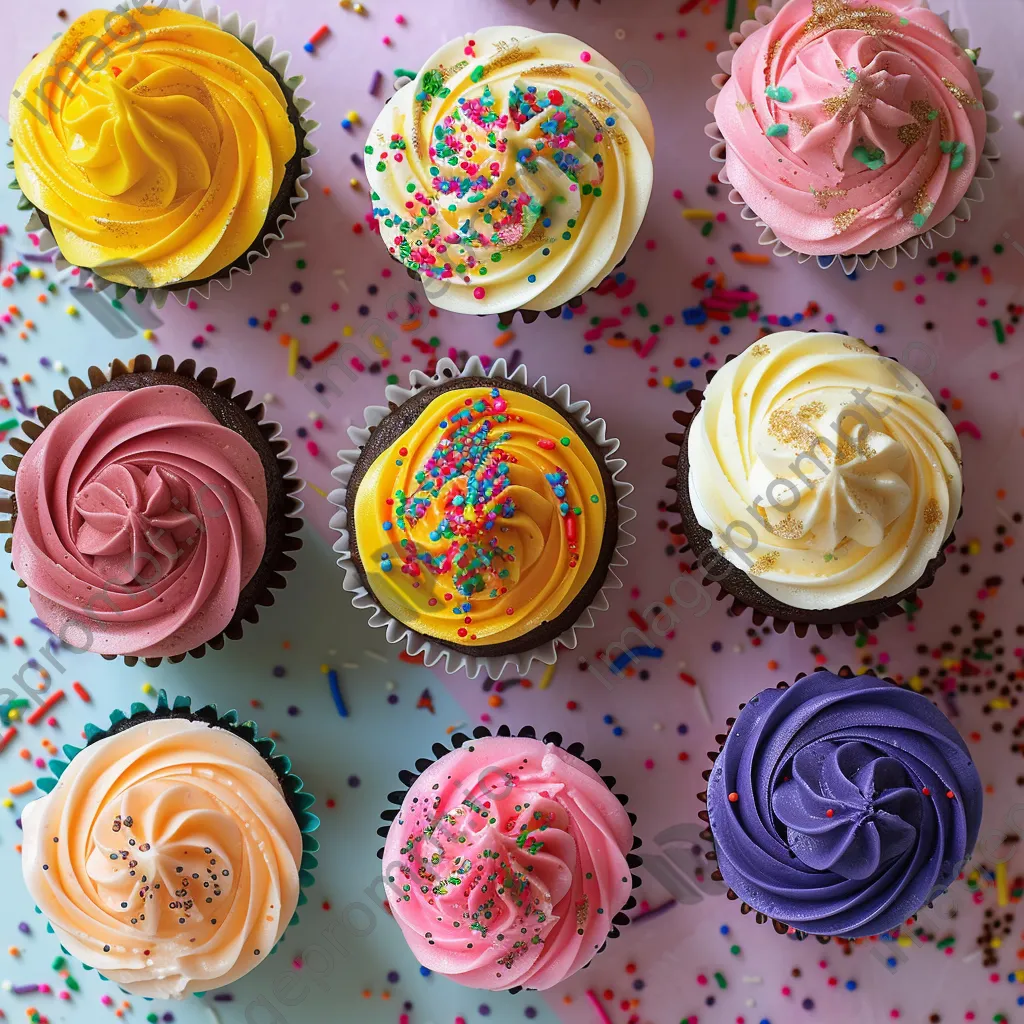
293 190
780 927
733 581
233 411
868 261
459 739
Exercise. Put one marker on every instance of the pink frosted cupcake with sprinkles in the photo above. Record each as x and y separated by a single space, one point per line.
509 863
852 130
512 174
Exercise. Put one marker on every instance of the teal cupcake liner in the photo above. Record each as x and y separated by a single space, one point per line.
298 800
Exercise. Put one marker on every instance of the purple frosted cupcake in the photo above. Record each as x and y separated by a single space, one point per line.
842 805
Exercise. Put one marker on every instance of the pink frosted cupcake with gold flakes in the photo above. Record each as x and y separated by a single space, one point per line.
852 130
509 863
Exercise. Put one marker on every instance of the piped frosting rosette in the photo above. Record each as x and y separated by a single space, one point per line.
474 568
513 172
852 129
824 471
160 147
170 852
149 513
842 805
509 862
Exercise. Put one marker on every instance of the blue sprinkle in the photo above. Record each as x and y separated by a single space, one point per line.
308 47
608 719
253 321
728 330
617 731
724 929
879 328
588 349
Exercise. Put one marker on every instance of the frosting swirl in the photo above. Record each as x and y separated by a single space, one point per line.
512 173
140 519
507 864
851 126
824 469
842 806
154 141
166 857
483 520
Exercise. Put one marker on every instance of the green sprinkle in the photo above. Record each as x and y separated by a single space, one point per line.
8 425
720 978
776 131
999 249
873 158
300 264
919 220
404 73
305 318
58 963
779 93
71 983
594 499
477 73
1000 331
392 378
642 309
735 950
708 228
564 442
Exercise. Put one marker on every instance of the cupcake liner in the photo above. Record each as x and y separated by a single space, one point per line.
868 261
277 63
745 908
433 651
716 569
295 796
459 739
282 527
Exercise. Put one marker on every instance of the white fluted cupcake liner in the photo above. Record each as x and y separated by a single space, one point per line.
868 261
266 49
432 650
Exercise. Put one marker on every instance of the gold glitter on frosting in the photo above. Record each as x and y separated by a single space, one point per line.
933 517
825 196
834 15
788 430
812 411
964 99
760 350
841 221
788 528
764 564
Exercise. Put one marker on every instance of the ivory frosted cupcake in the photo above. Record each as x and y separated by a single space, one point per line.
841 805
510 860
481 518
852 128
512 173
818 482
170 853
170 151
153 512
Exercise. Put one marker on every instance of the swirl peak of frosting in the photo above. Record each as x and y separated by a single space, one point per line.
484 519
852 126
823 469
507 864
140 519
842 806
155 143
511 173
165 857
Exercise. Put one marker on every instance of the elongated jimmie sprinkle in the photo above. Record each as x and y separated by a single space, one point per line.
339 700
602 1014
37 715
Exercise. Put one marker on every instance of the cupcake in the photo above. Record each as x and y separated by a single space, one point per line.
818 482
513 173
842 805
160 150
851 129
170 853
509 862
153 513
481 517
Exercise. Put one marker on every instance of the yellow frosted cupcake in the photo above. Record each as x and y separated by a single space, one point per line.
159 150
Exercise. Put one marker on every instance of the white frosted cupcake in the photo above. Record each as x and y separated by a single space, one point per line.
512 173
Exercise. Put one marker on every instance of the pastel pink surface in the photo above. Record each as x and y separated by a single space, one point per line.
805 183
140 520
513 912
